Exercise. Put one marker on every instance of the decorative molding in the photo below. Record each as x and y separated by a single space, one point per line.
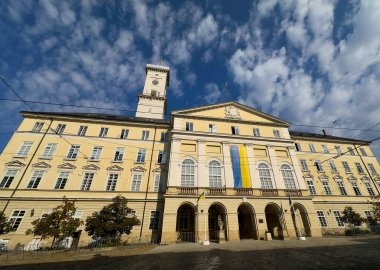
67 166
91 167
232 112
14 163
138 169
157 169
365 178
115 168
323 176
351 177
308 175
41 164
337 177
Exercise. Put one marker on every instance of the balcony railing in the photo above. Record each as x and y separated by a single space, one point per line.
268 192
293 192
216 191
187 190
243 191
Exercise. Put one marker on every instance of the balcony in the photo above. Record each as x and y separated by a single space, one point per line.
216 191
293 192
187 190
268 192
243 191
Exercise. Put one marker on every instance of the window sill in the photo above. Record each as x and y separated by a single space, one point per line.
21 157
117 161
334 172
349 172
70 159
46 158
306 170
93 160
136 162
321 172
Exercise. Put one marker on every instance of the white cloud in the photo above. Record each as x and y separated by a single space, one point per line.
212 93
205 32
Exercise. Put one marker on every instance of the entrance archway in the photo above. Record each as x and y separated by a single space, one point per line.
301 220
247 222
273 217
186 223
214 211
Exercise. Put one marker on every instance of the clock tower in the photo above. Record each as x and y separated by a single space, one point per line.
152 101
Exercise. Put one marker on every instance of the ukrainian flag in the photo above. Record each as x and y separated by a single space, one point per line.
201 197
240 167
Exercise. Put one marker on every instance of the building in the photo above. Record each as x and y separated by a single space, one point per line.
246 163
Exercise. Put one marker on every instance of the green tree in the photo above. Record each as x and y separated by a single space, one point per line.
5 226
112 221
375 210
59 224
352 218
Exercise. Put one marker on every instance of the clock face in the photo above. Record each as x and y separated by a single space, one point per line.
155 82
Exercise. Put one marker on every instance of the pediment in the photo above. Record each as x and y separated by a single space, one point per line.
90 167
67 166
231 111
377 178
41 164
115 168
337 177
365 178
15 163
308 175
138 169
351 177
323 176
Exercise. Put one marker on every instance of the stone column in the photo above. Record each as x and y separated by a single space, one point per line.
279 183
202 176
298 178
232 226
254 174
228 174
174 178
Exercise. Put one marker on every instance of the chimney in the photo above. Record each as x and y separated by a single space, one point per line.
324 132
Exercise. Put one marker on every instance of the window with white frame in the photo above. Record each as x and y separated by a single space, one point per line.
124 133
154 220
49 150
188 173
73 152
287 176
103 132
164 136
136 182
145 135
310 185
24 149
351 150
112 181
119 154
359 168
95 155
338 218
265 176
87 181
338 150
372 168
38 126
276 134
304 165
16 218
326 187
318 165
298 147
368 215
322 218
341 187
8 178
141 155
256 132
60 128
369 188
82 131
35 179
332 166
215 174
363 152
212 128
131 214
78 214
161 158
62 180
325 149
157 182
355 187
235 130
346 167
189 126
311 147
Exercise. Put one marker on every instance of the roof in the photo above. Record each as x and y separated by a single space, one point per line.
324 137
99 116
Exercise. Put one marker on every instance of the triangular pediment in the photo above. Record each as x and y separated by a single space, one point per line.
307 175
323 176
41 164
115 168
351 177
138 169
15 163
377 178
337 177
231 111
66 166
365 178
90 167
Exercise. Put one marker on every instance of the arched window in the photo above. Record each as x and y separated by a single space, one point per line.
215 174
188 173
265 177
287 175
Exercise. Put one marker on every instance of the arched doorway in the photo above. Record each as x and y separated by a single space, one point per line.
186 223
301 220
275 223
214 211
247 222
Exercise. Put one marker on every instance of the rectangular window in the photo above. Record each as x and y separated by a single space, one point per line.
354 185
235 130
136 182
131 214
369 188
16 218
346 167
326 187
304 165
311 186
8 178
318 165
36 179
124 133
368 215
325 149
311 147
212 128
62 180
164 137
351 150
338 150
154 220
78 214
322 219
60 129
119 154
24 150
341 187
95 155
145 135
38 126
49 150
112 181
157 183
332 166
298 147
256 132
103 132
276 134
363 152
73 152
141 156
338 218
359 167
82 131
161 157
87 181
372 168
189 126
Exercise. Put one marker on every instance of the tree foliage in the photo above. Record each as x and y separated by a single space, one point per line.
112 221
59 224
352 218
375 210
5 226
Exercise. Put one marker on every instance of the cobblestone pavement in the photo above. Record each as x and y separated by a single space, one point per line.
318 253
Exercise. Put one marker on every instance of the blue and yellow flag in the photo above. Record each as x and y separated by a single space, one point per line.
240 167
201 197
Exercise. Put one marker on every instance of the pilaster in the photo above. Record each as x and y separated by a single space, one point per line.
174 170
202 176
279 183
300 183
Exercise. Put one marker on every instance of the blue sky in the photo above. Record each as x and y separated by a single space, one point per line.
308 62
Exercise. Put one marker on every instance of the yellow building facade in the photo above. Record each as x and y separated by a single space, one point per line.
218 171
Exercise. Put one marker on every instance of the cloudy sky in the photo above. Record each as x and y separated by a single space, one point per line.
313 63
